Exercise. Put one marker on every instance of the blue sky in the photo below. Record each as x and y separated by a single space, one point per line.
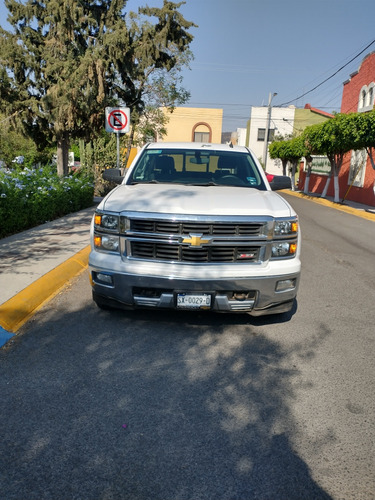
245 49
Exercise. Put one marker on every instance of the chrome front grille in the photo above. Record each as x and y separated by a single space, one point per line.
186 227
195 239
182 253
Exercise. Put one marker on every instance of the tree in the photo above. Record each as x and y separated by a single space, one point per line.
155 77
277 149
15 145
295 153
311 143
66 60
364 133
151 125
157 90
333 138
336 138
289 151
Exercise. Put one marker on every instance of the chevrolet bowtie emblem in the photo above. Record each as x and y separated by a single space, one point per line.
196 240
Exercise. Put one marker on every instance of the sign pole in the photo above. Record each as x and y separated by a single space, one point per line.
118 149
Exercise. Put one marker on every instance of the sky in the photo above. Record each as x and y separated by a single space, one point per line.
245 50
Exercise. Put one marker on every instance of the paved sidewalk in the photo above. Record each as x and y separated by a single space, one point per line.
35 264
26 256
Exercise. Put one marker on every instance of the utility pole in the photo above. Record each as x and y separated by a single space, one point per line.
265 147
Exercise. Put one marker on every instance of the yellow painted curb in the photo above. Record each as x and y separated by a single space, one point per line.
337 206
17 310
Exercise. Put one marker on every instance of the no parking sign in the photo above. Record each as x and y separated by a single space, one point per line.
117 120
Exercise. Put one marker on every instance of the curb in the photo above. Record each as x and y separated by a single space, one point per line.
359 212
17 310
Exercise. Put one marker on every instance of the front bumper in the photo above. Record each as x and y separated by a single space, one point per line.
255 295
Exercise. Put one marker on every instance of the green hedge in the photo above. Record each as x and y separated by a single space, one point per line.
30 197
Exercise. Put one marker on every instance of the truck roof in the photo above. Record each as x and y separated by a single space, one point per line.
196 146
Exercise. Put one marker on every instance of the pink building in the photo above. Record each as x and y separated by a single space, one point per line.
357 177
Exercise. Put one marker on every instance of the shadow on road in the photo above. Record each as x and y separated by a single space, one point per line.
114 405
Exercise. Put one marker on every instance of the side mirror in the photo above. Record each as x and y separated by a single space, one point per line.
280 182
113 175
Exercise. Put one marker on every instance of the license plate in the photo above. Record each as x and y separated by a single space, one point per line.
193 300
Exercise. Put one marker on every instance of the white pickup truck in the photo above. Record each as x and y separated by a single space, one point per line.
195 226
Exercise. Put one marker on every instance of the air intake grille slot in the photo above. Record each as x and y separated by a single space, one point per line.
167 227
182 253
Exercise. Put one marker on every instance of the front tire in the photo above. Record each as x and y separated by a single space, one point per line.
101 302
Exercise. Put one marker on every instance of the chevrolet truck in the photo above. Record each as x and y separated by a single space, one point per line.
194 226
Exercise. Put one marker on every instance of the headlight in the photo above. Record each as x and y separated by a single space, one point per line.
107 221
285 227
284 249
107 242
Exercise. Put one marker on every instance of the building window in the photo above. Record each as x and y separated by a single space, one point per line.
202 132
201 137
363 100
262 134
357 168
366 98
370 96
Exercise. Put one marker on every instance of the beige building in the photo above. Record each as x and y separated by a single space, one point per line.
194 125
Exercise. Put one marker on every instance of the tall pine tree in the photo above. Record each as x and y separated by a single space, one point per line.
64 61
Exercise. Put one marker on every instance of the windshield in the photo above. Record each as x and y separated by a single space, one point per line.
207 168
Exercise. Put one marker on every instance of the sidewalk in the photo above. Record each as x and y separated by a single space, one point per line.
35 264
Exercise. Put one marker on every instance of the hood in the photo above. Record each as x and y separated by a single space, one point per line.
195 200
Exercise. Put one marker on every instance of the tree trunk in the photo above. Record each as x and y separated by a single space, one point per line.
63 155
325 190
294 166
336 167
307 181
285 164
369 152
332 162
308 173
336 186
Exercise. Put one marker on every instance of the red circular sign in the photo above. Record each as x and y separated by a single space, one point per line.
117 119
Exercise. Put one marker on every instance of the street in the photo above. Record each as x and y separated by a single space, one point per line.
100 405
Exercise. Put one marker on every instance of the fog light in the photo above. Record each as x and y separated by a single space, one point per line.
105 278
283 285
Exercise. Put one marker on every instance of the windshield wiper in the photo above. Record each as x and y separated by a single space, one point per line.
211 183
132 183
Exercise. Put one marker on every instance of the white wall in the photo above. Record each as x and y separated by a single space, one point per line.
282 120
241 136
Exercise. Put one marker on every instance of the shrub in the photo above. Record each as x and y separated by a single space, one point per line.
30 197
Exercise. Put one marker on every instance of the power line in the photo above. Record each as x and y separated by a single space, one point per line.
334 74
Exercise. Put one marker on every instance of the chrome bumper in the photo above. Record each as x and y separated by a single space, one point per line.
257 296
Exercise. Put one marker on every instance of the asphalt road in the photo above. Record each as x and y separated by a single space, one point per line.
98 405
